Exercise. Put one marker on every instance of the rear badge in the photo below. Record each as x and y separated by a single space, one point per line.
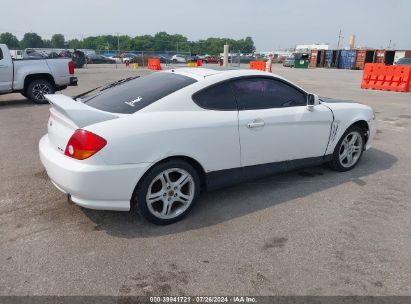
131 103
51 123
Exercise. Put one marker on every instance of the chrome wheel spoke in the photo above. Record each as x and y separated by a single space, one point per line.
166 177
349 158
155 197
356 149
183 198
182 180
353 139
166 208
343 155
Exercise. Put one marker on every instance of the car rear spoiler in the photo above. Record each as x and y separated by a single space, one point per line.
81 114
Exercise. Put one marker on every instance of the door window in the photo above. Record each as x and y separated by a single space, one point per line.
1 54
264 93
217 97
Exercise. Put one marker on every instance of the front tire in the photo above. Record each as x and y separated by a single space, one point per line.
167 193
37 89
349 150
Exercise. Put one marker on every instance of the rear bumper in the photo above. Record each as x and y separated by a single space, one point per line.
103 187
73 81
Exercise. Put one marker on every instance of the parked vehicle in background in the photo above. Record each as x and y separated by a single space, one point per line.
212 59
34 54
244 59
34 78
16 54
163 59
96 59
195 58
178 59
289 62
78 57
281 59
403 61
154 143
116 58
130 57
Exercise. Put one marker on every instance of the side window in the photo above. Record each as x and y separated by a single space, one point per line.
264 93
217 97
1 54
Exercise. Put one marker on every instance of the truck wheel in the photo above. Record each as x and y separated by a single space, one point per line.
37 89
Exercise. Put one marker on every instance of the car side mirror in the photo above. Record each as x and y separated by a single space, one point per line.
312 101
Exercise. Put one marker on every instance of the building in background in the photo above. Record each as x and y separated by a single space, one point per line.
301 48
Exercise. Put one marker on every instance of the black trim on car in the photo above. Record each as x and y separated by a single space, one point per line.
222 178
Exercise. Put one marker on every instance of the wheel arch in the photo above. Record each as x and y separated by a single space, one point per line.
193 162
363 124
40 76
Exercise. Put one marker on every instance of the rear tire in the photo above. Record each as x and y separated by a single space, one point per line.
348 150
37 89
167 192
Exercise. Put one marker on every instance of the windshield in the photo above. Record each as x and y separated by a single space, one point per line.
130 96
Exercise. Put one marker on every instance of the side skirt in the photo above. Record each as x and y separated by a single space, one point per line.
222 178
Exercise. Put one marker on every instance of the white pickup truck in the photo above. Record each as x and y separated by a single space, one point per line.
34 78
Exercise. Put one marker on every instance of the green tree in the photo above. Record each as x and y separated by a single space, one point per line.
10 40
57 41
31 40
75 44
47 43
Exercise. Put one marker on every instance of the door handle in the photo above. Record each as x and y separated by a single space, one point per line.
257 123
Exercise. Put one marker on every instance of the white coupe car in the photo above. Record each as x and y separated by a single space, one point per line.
154 143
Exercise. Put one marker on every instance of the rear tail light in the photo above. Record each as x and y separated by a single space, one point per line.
84 144
71 67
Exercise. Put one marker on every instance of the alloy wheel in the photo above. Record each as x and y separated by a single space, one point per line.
350 149
170 193
39 90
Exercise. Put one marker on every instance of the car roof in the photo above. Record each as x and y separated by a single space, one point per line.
196 73
202 73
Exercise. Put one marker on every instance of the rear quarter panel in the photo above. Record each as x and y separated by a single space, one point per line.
59 70
209 138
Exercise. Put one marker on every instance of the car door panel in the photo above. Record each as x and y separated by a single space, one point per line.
275 124
283 134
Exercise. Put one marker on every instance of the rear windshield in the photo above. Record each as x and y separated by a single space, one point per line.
135 94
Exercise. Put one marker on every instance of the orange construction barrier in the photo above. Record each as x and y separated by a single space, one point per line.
378 76
154 64
199 63
260 65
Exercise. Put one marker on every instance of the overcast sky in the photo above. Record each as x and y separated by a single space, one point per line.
272 24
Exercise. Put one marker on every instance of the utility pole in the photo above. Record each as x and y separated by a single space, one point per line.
339 39
338 49
389 45
118 44
118 48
